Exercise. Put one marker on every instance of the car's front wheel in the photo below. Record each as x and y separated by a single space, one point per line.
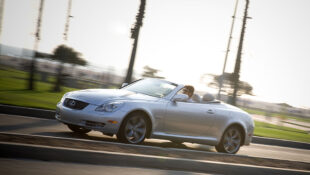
231 141
133 129
78 129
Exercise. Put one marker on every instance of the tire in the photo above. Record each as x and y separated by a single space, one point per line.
78 129
133 130
231 141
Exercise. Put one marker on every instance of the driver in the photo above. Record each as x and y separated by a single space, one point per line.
189 91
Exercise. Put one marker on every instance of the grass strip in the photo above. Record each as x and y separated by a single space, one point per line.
280 132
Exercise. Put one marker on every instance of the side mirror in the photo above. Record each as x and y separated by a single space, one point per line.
180 97
124 84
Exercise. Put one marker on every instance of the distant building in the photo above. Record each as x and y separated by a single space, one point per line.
15 51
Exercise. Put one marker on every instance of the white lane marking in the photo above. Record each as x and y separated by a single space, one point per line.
157 157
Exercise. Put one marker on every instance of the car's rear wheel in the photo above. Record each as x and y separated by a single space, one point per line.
133 129
78 129
231 141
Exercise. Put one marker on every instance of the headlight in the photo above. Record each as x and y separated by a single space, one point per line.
64 97
109 107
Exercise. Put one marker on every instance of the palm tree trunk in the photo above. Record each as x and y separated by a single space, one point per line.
58 83
236 74
36 42
135 35
128 78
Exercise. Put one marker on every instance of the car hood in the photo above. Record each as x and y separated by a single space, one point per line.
99 96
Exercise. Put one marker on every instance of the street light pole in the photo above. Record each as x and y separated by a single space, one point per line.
227 50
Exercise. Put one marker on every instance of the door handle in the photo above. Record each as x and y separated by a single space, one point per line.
210 111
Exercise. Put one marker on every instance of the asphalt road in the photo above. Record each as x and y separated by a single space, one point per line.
46 127
19 166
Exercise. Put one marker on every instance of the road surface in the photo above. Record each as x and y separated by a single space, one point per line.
18 166
46 127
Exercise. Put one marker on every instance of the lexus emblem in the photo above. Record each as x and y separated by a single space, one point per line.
72 103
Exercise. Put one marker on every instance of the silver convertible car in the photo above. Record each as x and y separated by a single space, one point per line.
153 108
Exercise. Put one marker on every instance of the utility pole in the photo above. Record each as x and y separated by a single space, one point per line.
1 21
135 35
35 48
227 50
236 73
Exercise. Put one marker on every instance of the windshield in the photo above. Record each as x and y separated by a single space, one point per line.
152 87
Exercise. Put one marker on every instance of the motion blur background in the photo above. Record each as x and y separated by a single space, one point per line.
183 41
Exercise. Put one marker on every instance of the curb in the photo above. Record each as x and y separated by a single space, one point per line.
50 114
25 111
10 150
280 142
130 149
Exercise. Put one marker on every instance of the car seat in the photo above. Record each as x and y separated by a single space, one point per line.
207 98
196 98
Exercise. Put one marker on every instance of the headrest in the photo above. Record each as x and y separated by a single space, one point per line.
208 97
196 98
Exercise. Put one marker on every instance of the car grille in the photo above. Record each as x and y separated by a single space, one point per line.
75 104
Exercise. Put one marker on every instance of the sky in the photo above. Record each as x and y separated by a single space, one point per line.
184 39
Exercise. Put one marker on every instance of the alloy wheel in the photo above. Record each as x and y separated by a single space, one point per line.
135 129
232 140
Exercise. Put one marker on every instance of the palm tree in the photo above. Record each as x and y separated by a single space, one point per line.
227 81
135 35
35 48
65 54
151 72
236 74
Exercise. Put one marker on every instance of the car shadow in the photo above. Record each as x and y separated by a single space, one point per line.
97 136
68 134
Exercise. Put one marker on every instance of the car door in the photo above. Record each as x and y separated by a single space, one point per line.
189 119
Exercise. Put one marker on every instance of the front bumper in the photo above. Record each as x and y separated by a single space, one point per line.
106 122
248 140
249 135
